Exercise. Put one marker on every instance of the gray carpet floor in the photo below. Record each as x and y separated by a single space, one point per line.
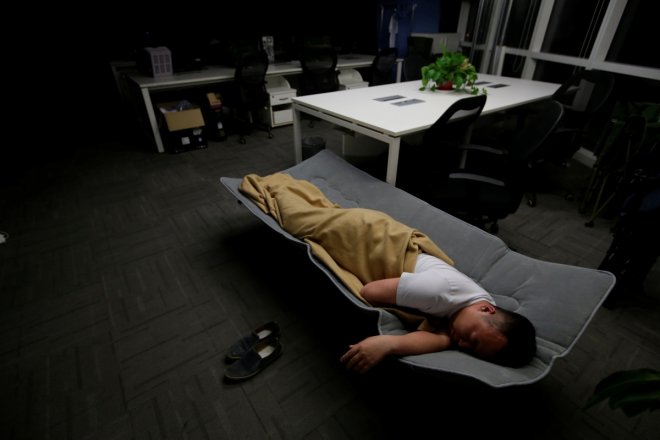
127 275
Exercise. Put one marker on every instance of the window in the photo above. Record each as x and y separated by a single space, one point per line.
612 35
636 30
553 72
520 24
518 34
573 27
480 22
513 66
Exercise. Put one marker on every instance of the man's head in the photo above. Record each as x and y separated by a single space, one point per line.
494 334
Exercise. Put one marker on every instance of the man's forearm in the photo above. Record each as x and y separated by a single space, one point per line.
372 350
419 342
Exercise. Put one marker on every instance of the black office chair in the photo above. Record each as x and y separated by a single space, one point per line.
252 97
381 68
423 166
412 66
319 71
585 96
635 246
488 184
617 161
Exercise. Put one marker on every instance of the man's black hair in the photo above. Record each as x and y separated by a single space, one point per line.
521 339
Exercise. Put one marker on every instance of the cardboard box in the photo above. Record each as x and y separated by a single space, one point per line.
181 126
215 101
178 116
214 117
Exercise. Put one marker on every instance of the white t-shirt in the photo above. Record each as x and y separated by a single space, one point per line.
437 288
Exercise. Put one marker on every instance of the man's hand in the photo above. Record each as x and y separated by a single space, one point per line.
365 354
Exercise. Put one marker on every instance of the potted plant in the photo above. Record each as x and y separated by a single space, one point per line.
450 71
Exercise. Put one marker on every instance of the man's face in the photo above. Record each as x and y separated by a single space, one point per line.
471 332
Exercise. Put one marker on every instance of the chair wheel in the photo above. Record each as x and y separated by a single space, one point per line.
241 141
270 135
589 224
531 203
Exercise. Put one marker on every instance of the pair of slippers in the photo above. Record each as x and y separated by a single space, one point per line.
254 352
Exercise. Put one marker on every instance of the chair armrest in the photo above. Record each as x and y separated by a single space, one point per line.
477 178
480 159
482 148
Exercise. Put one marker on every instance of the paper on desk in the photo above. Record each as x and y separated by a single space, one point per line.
408 102
389 98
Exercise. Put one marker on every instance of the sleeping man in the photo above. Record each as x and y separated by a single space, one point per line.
473 323
386 263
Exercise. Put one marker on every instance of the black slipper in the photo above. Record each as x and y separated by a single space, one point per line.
236 351
253 361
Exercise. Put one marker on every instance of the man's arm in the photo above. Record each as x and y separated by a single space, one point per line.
381 292
370 351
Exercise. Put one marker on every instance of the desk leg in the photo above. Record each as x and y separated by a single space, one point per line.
393 161
146 97
297 136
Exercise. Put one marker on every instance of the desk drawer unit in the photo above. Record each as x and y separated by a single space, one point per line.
282 97
280 111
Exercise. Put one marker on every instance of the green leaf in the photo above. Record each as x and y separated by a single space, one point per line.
632 405
633 391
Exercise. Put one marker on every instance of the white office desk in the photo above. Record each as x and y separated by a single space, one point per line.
358 109
217 74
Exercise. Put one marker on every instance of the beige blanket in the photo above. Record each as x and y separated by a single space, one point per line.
359 245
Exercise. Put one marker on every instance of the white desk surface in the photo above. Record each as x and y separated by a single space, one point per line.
213 74
360 107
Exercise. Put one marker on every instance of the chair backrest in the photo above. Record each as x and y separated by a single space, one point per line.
539 124
585 97
412 66
319 74
250 77
454 124
585 93
381 67
623 144
251 67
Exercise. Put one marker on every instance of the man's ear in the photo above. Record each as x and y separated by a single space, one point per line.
487 308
